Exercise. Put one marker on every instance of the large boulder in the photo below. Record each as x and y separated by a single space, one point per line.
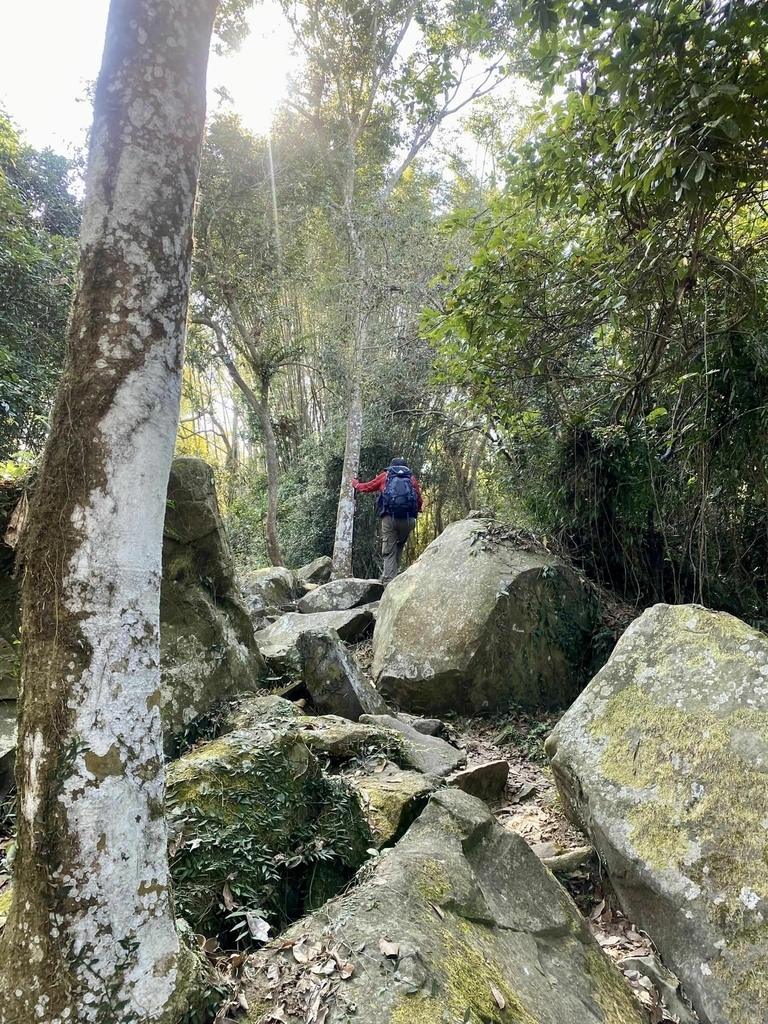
339 595
258 827
663 761
269 590
333 679
477 622
277 641
459 921
207 646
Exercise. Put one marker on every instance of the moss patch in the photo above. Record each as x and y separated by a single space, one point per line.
433 882
5 902
707 806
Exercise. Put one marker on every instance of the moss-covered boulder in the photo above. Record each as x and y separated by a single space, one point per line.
207 646
663 761
478 622
258 827
458 922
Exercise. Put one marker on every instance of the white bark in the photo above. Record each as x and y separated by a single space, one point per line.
91 935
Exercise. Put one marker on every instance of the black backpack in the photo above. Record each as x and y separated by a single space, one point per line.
399 498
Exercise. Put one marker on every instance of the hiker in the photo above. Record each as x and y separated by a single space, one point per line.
399 503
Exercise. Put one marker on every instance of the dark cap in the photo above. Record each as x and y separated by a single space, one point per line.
398 462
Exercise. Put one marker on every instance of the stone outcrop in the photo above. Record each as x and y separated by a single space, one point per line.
269 591
339 595
663 761
429 937
277 642
477 622
333 679
207 646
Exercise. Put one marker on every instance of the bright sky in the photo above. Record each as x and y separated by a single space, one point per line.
52 50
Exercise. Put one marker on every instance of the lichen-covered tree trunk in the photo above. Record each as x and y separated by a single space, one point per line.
90 935
345 516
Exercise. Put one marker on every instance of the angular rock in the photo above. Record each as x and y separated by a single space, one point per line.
339 595
426 726
7 746
270 588
663 761
459 921
391 802
332 676
317 571
485 781
254 812
277 642
426 754
207 647
476 623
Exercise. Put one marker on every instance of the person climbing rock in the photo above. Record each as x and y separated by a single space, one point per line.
399 503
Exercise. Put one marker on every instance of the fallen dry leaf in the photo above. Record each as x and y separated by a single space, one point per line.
229 899
389 948
438 910
500 1000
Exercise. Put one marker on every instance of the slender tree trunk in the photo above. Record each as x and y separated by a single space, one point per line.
345 516
90 935
270 451
260 406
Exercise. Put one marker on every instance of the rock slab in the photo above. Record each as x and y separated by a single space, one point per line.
277 642
334 681
475 623
427 754
663 761
339 595
459 921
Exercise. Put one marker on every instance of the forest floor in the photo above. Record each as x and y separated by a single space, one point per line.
531 807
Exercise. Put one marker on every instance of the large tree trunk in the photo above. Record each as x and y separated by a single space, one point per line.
90 935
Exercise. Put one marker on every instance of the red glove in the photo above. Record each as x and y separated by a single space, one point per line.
355 482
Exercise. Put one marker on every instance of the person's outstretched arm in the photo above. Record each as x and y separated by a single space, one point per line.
377 484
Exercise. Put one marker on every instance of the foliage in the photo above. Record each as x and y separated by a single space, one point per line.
611 322
256 840
39 220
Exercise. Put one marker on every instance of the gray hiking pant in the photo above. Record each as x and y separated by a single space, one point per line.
394 534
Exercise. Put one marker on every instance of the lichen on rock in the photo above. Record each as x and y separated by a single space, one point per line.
663 760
